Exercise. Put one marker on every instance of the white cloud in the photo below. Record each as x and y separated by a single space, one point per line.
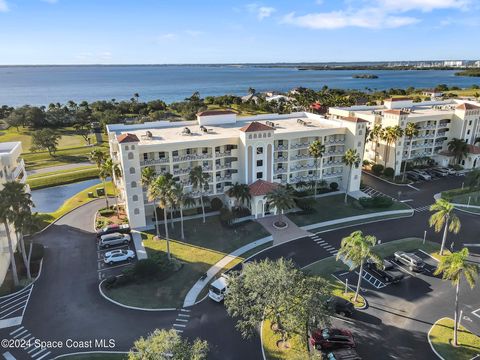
261 12
423 5
3 6
50 1
367 18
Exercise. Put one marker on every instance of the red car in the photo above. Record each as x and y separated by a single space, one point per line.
331 338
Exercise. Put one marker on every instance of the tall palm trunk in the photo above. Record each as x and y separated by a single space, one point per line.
105 191
171 219
316 179
455 325
21 242
166 231
348 184
376 148
156 219
359 282
387 153
116 200
12 255
405 166
203 207
444 237
181 223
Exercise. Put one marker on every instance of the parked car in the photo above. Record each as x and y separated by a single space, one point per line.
413 176
114 239
115 256
341 306
450 170
432 173
331 338
422 174
113 228
342 354
413 262
440 172
388 273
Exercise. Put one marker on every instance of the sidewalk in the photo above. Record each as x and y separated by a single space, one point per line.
193 293
282 235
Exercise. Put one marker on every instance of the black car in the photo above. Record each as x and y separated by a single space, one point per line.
114 228
342 354
341 306
388 274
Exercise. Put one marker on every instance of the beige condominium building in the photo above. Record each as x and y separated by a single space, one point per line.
260 151
12 168
438 122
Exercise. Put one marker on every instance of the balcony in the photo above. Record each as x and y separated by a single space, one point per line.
332 163
280 159
281 147
300 145
280 171
191 157
300 157
335 142
154 161
228 165
300 168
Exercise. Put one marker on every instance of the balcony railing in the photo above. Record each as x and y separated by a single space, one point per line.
223 154
300 168
280 171
280 159
154 161
18 169
191 157
300 157
300 145
281 147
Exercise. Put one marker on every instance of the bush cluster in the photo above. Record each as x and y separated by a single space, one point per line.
305 204
377 169
388 172
376 202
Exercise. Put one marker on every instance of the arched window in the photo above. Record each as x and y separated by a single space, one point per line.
133 184
136 211
132 170
133 147
126 147
130 155
135 197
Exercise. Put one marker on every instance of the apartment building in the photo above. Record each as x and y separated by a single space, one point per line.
438 123
12 168
260 151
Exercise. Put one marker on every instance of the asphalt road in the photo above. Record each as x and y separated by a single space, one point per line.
65 303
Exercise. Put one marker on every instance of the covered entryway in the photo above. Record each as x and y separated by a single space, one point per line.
258 191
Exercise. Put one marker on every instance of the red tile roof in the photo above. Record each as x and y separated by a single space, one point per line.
256 126
124 138
215 112
262 187
399 99
473 149
467 106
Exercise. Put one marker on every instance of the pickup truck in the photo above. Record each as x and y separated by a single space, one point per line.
389 273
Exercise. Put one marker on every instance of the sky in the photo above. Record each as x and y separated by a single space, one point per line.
226 31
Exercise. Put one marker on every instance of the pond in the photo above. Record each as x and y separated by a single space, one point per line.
50 199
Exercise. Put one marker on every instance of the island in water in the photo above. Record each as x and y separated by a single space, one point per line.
469 72
365 76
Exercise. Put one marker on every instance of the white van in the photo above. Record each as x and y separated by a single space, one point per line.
218 288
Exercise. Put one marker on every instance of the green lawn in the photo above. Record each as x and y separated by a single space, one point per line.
298 347
333 207
97 356
205 244
442 334
357 222
74 202
61 177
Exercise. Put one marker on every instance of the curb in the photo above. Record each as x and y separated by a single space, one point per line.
127 306
364 298
430 342
261 341
382 179
89 352
31 284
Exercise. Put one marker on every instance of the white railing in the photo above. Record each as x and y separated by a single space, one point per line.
153 161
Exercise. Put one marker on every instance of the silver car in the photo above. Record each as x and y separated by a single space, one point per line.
422 175
413 262
114 239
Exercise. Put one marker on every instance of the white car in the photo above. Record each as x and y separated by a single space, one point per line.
112 257
422 175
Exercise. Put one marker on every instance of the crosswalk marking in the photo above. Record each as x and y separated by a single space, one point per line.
41 357
184 315
180 325
422 208
17 330
182 320
13 306
185 310
373 192
20 333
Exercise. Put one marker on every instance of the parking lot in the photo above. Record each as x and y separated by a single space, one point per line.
105 270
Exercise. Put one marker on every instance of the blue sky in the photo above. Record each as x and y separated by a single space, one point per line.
223 31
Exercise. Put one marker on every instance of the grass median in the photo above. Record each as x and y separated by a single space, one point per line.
441 338
62 177
298 347
204 245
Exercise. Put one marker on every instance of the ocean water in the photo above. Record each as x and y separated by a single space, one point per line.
41 85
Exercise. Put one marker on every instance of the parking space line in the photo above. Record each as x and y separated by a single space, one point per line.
342 319
114 267
403 269
178 330
185 310
476 313
99 251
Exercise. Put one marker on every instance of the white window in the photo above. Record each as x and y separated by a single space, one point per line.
130 156
135 197
132 170
136 211
126 147
133 184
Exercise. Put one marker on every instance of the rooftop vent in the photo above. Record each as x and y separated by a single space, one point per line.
203 129
186 131
148 134
270 123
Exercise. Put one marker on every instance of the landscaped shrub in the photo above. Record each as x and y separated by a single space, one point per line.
146 268
333 186
305 204
239 212
110 282
106 212
377 169
226 216
356 205
366 162
388 172
376 202
216 204
457 167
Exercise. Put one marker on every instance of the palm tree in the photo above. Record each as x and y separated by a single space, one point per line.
153 192
356 249
375 135
98 157
26 223
458 148
199 181
160 190
452 267
316 150
281 198
241 193
411 130
183 200
444 218
390 136
111 169
351 158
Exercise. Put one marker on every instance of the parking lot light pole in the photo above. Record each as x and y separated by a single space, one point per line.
346 286
424 236
469 198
